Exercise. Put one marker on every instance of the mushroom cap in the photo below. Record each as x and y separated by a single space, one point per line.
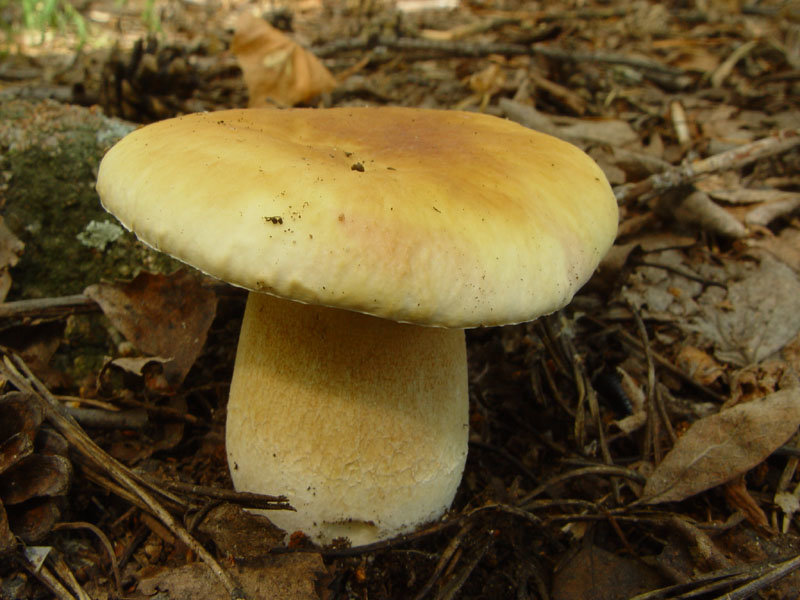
438 218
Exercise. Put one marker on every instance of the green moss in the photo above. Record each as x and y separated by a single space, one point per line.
49 155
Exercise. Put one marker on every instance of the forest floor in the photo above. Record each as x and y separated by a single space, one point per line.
640 443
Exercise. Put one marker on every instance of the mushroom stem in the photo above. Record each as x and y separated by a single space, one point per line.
360 421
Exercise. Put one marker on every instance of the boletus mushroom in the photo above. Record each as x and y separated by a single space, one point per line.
369 238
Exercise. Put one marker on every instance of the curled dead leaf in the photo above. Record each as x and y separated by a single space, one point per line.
739 498
593 572
698 210
699 365
277 70
761 313
240 533
10 249
162 316
7 541
719 447
287 576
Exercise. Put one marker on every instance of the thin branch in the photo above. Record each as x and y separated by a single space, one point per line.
249 499
13 368
444 560
473 49
598 470
112 558
48 307
684 174
777 572
43 574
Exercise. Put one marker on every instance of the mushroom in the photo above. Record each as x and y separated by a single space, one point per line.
369 238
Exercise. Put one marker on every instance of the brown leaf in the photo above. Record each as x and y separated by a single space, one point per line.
740 499
276 70
288 577
7 541
763 313
698 210
698 365
719 447
138 365
240 533
596 574
161 315
785 247
10 249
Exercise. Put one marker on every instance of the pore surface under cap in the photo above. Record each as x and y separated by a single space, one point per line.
431 217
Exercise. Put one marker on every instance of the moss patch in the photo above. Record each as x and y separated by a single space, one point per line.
49 154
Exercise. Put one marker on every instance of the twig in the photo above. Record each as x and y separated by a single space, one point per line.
107 419
710 582
716 581
44 575
472 49
630 340
466 49
598 470
611 58
721 73
652 440
48 307
139 536
452 587
777 572
507 456
661 389
162 411
123 492
637 262
687 173
103 540
66 575
13 368
249 499
444 560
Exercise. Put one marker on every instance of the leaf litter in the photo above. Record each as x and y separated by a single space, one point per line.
717 448
686 462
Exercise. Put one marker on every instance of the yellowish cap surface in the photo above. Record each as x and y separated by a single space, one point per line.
438 218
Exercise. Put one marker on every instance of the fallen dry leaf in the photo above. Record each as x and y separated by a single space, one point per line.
698 365
288 577
7 541
761 314
613 132
596 574
10 249
163 316
739 499
239 533
756 381
698 210
719 447
277 71
785 247
765 213
790 504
